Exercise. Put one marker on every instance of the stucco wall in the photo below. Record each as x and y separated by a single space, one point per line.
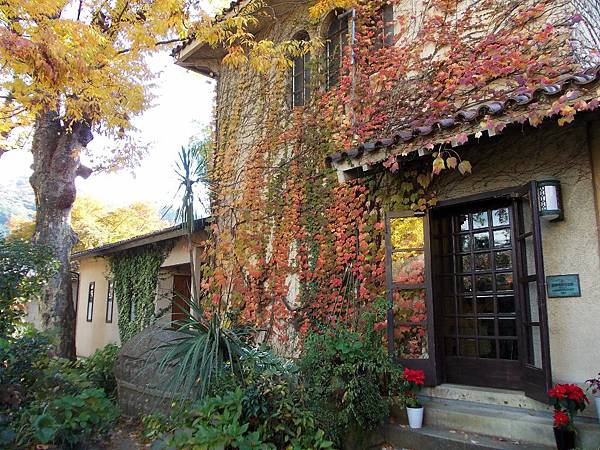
570 246
95 334
178 255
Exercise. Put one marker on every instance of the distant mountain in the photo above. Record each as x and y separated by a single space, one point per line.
16 199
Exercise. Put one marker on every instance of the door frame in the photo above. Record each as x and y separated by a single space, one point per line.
500 373
535 381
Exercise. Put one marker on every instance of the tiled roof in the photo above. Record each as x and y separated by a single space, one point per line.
475 113
155 236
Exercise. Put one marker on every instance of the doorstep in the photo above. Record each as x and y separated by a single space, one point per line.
525 425
429 438
488 396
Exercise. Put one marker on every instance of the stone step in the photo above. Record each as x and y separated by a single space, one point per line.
488 396
430 438
493 396
512 424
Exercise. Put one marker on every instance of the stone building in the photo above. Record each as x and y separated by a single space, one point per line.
503 270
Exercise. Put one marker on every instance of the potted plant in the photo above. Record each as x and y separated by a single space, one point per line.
567 400
594 386
413 381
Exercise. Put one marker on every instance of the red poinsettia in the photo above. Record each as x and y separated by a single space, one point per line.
413 380
561 419
414 376
567 400
569 392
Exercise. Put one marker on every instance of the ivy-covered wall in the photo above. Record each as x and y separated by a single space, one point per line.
293 248
135 274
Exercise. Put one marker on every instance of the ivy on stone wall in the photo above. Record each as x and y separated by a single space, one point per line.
135 274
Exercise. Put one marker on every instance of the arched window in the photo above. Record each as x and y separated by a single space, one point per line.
337 39
301 75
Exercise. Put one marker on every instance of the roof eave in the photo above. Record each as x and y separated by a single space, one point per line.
465 123
158 236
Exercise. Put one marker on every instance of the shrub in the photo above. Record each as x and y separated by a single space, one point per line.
267 412
99 369
59 377
274 401
349 376
217 422
24 358
45 399
68 420
24 268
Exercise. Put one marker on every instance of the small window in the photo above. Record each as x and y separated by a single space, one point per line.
90 303
301 75
110 299
132 312
337 37
387 16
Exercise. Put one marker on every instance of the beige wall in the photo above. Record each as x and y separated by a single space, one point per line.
93 335
570 246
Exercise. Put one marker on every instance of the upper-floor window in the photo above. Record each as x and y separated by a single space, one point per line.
90 302
110 300
336 41
301 75
387 16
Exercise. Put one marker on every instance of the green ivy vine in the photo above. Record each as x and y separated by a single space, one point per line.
135 274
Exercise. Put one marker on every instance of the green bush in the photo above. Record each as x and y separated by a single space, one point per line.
267 412
24 268
24 358
216 422
350 379
45 399
99 369
67 420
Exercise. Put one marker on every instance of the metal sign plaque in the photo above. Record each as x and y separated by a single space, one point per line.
563 285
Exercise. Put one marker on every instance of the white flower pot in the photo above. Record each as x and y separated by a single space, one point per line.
597 400
415 417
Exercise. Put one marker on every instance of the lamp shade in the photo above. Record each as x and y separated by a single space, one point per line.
550 200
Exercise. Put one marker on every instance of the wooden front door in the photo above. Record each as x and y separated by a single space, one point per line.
478 322
489 296
181 296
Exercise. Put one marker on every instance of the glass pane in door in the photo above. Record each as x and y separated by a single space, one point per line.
480 305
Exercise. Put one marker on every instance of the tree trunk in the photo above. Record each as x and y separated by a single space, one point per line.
56 164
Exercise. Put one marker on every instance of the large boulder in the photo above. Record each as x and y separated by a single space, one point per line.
142 386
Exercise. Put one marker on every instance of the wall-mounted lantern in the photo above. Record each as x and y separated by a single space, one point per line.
550 198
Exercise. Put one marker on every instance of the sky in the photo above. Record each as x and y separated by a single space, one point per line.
182 109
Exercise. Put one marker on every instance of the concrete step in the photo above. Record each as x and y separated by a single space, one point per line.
493 396
512 424
436 438
488 396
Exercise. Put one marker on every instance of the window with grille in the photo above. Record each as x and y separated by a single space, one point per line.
337 39
387 28
90 302
301 75
110 299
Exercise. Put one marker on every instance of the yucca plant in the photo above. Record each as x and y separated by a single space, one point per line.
204 348
191 171
202 352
